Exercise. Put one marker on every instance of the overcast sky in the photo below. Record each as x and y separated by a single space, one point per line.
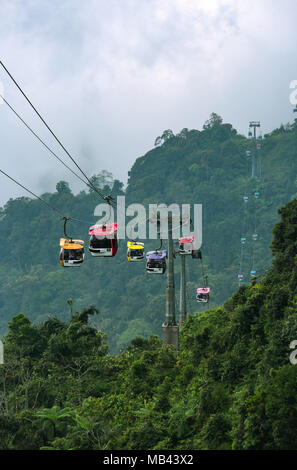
109 76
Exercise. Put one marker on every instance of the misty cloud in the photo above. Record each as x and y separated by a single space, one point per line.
110 75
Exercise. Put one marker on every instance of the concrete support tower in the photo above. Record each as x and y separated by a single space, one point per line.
183 293
170 327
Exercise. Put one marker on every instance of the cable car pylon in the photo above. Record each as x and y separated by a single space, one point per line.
253 125
183 297
170 328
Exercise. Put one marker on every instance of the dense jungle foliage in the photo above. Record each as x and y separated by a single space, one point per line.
231 386
208 167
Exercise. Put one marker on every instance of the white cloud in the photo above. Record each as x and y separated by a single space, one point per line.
111 75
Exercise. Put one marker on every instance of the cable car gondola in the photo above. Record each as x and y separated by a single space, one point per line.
186 245
202 294
135 251
103 240
71 253
156 262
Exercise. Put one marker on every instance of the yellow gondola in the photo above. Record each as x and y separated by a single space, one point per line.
72 252
135 251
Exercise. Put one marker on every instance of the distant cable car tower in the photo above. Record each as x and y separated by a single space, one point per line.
253 125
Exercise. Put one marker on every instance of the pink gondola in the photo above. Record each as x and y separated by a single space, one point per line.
202 294
103 240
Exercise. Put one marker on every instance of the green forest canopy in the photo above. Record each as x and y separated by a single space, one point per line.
230 387
208 167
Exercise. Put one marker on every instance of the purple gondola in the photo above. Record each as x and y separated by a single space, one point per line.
156 262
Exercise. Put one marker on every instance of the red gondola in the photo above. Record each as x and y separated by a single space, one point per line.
103 240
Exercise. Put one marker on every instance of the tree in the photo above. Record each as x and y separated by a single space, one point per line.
295 120
23 337
117 188
101 180
183 133
213 121
167 135
58 417
62 187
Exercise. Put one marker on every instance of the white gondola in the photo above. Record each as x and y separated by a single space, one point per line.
186 245
202 294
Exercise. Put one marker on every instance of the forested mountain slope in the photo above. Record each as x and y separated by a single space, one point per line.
208 167
231 386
